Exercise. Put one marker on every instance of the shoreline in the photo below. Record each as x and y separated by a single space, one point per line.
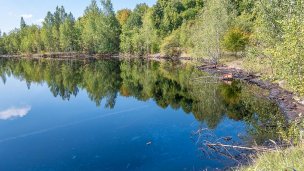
79 55
291 108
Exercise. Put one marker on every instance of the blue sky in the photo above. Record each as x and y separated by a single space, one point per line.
35 10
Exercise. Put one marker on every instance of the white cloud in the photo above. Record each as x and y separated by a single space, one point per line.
27 16
14 112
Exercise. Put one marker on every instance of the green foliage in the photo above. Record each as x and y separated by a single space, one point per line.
235 40
50 32
89 38
108 29
99 29
278 39
12 42
96 32
185 37
192 9
139 35
167 16
245 22
123 15
209 30
46 32
136 18
281 159
148 35
171 45
69 35
196 27
30 40
242 6
188 4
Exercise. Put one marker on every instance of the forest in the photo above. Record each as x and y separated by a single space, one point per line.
268 35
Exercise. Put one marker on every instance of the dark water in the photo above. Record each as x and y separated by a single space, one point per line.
123 115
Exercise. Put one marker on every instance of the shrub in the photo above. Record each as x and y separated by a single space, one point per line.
171 45
235 40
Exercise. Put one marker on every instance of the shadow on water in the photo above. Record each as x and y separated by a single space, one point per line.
169 84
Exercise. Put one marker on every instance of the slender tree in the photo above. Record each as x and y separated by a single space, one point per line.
108 28
46 32
89 22
69 34
130 31
209 31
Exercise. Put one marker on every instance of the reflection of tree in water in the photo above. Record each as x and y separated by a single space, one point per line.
167 83
101 80
263 117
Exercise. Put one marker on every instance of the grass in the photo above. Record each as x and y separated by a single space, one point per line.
281 160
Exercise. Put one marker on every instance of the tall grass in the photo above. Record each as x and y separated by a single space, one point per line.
280 160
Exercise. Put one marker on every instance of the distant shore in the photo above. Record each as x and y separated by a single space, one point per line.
79 55
61 55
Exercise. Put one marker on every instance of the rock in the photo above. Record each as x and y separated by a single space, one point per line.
228 76
258 74
297 98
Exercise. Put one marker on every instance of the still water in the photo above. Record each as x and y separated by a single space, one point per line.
124 115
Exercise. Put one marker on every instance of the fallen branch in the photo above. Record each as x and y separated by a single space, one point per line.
239 147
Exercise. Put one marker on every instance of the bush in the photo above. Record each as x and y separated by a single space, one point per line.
235 40
171 45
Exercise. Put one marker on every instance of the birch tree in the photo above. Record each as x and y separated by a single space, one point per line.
209 30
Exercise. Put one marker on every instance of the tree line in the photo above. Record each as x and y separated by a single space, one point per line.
97 31
165 27
271 33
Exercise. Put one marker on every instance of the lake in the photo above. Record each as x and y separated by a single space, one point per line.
125 115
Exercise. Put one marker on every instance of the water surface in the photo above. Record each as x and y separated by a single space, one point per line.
123 115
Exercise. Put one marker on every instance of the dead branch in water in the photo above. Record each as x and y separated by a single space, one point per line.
227 147
239 147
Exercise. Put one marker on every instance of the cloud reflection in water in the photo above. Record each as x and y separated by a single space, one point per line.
14 112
